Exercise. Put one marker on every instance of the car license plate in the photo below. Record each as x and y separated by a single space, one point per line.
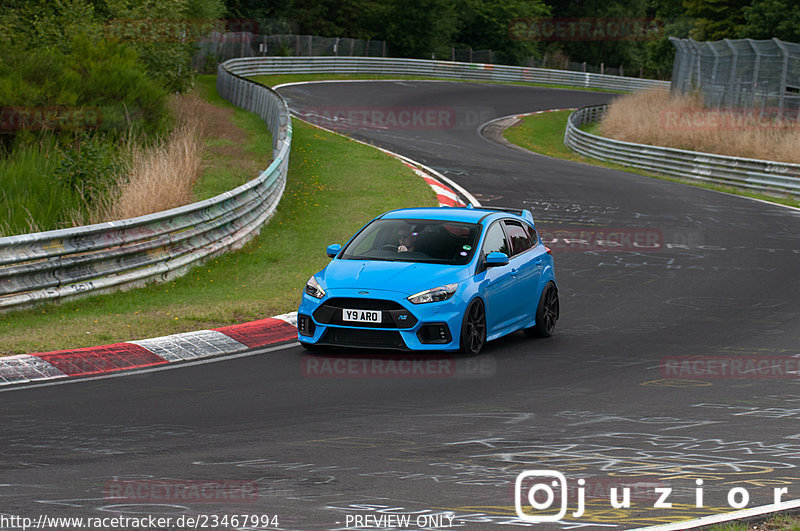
361 316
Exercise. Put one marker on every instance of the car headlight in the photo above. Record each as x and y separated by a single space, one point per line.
442 293
314 289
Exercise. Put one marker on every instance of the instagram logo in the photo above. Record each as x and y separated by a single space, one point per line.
537 492
539 489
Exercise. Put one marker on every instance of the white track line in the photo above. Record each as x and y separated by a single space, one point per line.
722 518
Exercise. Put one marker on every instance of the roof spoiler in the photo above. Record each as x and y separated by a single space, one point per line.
525 213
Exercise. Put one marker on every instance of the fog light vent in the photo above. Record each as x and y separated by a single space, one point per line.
434 333
305 326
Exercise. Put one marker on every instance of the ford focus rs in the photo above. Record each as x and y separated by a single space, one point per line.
446 279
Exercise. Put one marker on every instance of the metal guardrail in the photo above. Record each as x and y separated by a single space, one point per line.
99 258
253 66
752 174
110 256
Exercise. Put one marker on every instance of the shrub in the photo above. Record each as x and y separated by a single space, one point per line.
89 168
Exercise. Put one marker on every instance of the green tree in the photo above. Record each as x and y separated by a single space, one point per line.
660 53
40 24
103 77
325 18
163 32
333 18
486 24
716 19
273 16
629 53
765 19
419 29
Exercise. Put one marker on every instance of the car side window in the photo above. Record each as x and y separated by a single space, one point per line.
520 239
532 234
495 240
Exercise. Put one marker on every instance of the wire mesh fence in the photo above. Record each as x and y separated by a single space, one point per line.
745 74
219 47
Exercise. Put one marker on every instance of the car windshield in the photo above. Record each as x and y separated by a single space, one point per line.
415 240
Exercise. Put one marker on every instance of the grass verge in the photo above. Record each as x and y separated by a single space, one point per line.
780 522
237 144
30 199
544 134
334 186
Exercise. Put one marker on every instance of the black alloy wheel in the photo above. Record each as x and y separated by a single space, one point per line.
473 329
546 313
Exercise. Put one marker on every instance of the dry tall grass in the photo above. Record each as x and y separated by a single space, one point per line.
160 177
653 117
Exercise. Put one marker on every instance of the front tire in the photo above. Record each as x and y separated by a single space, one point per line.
546 313
311 347
473 329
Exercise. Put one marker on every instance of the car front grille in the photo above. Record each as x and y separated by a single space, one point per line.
365 338
393 315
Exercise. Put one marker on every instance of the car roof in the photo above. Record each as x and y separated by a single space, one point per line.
462 214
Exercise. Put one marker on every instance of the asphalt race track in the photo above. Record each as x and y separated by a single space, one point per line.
610 398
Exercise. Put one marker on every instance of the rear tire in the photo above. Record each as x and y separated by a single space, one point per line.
546 313
473 329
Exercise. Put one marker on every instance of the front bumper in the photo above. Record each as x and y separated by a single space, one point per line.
405 326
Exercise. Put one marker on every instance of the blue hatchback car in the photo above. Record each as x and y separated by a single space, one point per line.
444 279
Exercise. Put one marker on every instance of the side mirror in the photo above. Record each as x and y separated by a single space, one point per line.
333 250
496 259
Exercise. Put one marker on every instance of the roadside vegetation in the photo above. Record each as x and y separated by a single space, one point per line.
86 109
516 30
330 178
682 121
779 522
544 134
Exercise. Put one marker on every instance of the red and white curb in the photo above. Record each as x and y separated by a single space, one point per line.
445 195
190 346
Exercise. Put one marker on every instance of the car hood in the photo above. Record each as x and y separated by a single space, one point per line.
404 277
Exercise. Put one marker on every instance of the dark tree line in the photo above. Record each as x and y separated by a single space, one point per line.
419 28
